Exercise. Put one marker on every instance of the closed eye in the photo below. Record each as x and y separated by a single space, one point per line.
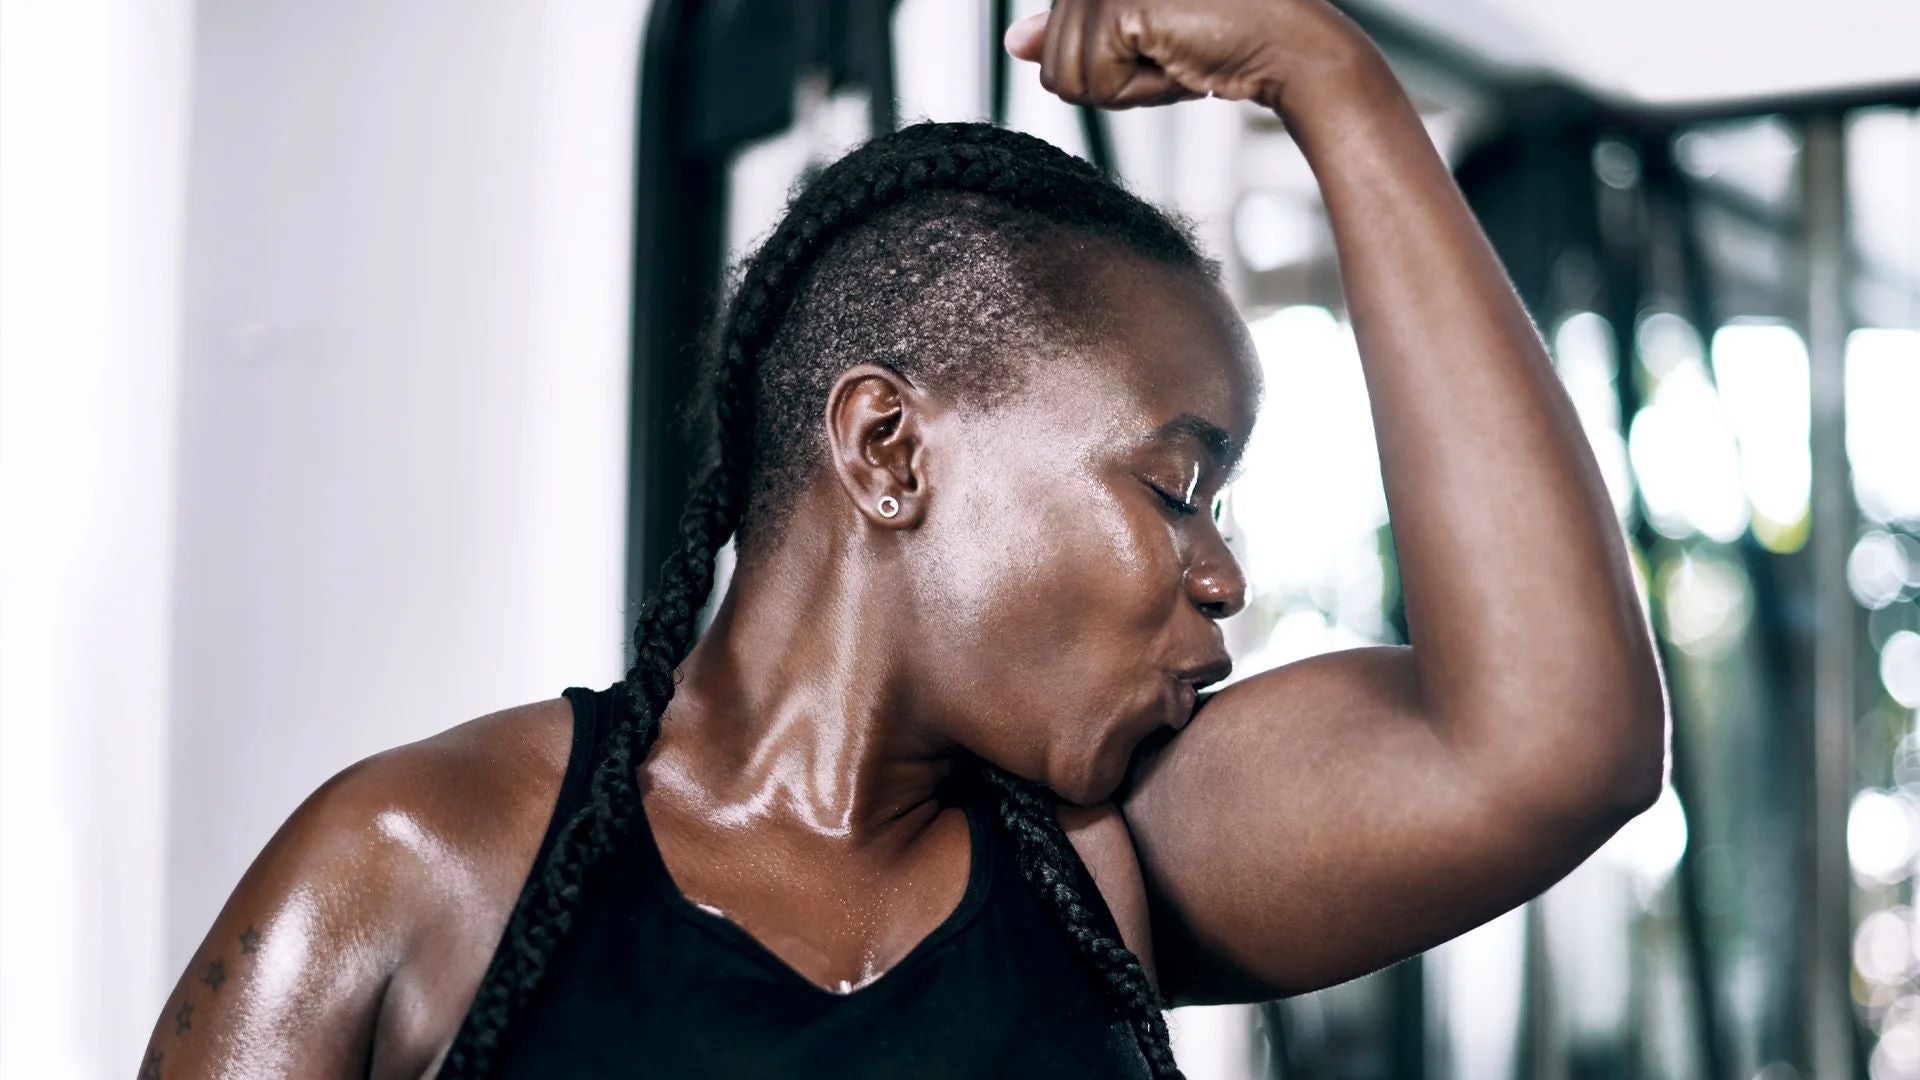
1178 506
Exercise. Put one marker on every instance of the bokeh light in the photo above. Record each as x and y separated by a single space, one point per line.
1880 567
1883 946
1681 443
1650 846
1897 1055
1900 668
1584 356
1315 411
1760 370
1882 837
1883 399
1706 601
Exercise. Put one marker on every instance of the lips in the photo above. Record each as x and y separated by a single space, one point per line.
1207 673
1187 683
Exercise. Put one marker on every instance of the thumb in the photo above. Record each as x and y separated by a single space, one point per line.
1026 37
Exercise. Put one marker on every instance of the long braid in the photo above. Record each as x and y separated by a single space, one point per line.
1012 168
1046 860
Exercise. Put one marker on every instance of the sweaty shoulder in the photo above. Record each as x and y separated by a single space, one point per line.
357 937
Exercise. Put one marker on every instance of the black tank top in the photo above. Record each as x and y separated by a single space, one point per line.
649 984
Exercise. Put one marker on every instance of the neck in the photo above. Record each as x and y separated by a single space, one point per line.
793 709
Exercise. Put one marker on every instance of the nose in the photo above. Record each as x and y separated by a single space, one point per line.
1215 584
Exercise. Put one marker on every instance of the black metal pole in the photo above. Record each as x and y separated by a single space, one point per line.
679 198
1093 127
1000 16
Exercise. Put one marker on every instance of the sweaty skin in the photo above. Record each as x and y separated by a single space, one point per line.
1307 825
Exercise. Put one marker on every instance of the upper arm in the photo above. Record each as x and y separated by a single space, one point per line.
1311 825
1099 836
288 980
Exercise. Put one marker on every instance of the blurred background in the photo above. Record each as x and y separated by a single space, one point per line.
338 344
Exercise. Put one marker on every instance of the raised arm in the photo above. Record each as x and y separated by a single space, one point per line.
1323 819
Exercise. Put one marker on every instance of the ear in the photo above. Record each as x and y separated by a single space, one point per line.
875 440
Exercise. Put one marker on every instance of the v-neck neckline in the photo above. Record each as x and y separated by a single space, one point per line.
979 878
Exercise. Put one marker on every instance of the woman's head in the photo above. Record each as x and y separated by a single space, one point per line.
1043 372
1038 367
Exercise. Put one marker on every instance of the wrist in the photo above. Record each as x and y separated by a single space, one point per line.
1337 72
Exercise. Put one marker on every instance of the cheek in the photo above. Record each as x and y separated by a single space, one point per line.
983 552
1122 575
1048 615
1072 590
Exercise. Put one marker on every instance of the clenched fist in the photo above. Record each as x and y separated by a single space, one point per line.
1119 54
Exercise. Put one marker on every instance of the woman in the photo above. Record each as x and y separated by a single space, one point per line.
914 804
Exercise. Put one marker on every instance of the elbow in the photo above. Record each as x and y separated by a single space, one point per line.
1628 729
1652 726
1617 783
1640 784
1643 760
1631 721
1613 762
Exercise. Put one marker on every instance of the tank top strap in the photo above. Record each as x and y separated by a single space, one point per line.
582 755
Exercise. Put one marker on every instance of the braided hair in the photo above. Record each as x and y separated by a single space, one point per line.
954 254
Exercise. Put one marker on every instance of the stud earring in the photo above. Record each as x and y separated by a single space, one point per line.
889 506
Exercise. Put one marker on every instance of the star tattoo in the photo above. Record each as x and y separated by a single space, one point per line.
183 1020
249 940
215 974
150 1068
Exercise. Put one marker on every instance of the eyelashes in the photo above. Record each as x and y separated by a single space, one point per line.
1178 506
1183 508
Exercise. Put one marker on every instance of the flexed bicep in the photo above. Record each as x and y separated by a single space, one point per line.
1311 824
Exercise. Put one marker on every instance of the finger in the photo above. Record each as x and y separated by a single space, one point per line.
1050 52
1066 31
1097 57
1109 62
1149 85
1025 37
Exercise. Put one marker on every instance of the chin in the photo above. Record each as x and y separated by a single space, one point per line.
1101 775
1084 794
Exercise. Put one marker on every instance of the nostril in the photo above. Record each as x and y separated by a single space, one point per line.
1220 609
1214 597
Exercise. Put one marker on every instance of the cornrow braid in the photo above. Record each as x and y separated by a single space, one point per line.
927 177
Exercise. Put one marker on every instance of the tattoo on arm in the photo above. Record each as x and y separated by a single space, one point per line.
214 975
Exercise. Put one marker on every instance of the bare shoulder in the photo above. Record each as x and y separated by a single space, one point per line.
1100 835
357 936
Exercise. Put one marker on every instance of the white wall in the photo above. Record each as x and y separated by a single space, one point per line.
313 406
403 404
93 101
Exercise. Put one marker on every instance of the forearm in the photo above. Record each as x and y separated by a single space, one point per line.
1532 648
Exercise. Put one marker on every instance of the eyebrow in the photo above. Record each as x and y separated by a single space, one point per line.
1219 444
